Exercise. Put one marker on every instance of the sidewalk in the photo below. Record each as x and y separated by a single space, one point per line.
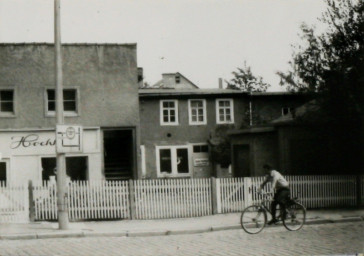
39 230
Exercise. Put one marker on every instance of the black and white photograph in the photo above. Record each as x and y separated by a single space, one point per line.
181 127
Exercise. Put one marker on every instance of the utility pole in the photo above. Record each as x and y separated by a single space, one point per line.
61 158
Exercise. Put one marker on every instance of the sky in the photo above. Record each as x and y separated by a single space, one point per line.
204 40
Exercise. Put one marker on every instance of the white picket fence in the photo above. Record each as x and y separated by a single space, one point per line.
166 198
98 200
313 191
155 199
86 200
362 190
14 203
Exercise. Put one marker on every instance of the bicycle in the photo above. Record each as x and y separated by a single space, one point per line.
254 218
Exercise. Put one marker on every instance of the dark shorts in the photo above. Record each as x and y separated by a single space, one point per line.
282 196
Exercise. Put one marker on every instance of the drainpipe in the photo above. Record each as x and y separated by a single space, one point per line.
250 113
220 83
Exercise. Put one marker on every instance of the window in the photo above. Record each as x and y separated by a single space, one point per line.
6 102
76 167
173 161
69 101
224 111
197 112
200 149
177 79
286 111
169 112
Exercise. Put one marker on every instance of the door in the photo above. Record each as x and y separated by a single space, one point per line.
241 161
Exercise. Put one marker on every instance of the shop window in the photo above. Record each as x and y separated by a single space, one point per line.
197 112
169 112
224 111
70 103
173 161
76 167
6 102
2 172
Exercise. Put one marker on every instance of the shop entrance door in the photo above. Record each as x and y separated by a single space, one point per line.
118 154
3 171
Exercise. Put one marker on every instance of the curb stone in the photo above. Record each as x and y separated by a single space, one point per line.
105 234
189 231
146 233
158 232
18 237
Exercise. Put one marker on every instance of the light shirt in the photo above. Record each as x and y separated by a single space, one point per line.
278 181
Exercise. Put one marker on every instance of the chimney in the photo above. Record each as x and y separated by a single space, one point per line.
220 83
140 77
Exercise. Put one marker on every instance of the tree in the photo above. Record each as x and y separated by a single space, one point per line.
245 80
331 65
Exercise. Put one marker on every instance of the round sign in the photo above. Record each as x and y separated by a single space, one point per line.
70 132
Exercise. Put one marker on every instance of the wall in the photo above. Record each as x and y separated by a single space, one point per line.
266 108
169 80
105 74
24 150
263 149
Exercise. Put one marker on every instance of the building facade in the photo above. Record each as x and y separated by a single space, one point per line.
100 89
178 127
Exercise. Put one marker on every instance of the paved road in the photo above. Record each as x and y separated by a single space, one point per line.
327 239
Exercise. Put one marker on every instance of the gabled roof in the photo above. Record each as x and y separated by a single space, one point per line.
159 84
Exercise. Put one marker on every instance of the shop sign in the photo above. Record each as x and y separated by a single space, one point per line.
30 141
201 162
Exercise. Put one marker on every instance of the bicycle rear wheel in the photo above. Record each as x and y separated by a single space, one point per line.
295 217
253 219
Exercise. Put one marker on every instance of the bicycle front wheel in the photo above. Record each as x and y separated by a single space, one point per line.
253 219
295 217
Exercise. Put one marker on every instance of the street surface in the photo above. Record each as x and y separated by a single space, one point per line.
326 239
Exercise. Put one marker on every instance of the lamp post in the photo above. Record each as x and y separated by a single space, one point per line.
61 159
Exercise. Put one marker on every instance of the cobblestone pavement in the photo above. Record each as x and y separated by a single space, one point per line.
327 239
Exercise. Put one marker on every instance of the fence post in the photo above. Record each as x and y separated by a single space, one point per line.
31 201
247 191
214 196
132 199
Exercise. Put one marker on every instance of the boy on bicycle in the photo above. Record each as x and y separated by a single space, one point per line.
280 188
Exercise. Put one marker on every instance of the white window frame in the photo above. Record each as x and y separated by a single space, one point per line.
191 122
218 121
174 160
200 144
51 113
161 112
9 114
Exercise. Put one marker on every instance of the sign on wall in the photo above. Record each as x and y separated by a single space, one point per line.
201 162
69 138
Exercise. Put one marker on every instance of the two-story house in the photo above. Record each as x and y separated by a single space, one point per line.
178 122
100 90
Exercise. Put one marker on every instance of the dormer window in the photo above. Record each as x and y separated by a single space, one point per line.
177 79
286 111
